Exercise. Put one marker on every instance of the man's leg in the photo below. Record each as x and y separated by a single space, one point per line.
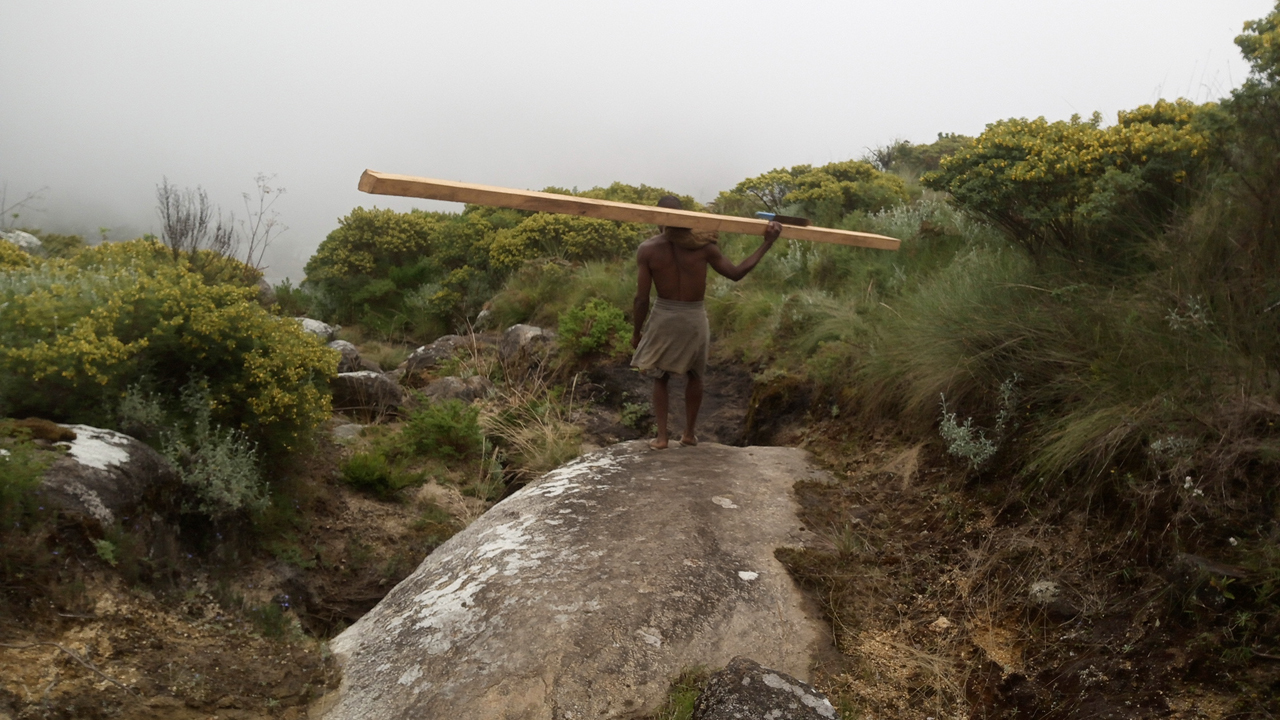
661 399
692 403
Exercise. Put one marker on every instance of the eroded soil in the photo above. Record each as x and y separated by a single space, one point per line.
930 594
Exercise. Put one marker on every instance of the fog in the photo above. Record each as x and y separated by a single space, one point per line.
103 100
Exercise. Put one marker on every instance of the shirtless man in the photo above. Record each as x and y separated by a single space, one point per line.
677 336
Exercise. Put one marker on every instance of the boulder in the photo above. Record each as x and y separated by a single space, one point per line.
349 360
106 476
266 293
525 345
365 392
429 356
24 240
455 388
321 330
745 689
586 592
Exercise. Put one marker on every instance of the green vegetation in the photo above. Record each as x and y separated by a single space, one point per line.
77 333
682 695
446 430
1080 331
596 327
825 194
420 275
21 464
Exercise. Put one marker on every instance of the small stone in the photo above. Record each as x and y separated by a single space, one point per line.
744 689
349 431
454 388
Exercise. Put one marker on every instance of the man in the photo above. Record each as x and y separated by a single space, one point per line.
676 337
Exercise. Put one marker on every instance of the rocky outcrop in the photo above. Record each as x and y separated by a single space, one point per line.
429 356
321 330
24 240
525 346
348 356
366 392
745 689
350 360
523 339
584 594
106 476
467 389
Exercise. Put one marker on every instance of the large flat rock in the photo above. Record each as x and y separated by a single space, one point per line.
583 595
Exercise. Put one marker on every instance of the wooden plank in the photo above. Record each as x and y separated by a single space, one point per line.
429 189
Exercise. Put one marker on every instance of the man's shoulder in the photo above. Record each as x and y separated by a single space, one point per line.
649 245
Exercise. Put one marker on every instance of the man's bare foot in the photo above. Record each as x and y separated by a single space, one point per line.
656 444
689 440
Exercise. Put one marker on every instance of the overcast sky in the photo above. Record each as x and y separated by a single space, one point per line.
103 99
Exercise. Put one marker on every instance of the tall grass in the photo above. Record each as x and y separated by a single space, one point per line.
539 292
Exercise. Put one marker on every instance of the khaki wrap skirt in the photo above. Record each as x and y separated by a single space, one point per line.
675 339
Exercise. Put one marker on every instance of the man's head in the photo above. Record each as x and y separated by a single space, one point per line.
671 202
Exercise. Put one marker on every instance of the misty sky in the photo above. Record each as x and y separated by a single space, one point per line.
103 99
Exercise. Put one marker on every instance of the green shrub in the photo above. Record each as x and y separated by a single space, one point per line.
447 430
403 273
77 333
566 237
293 301
539 293
596 327
13 257
371 473
914 159
60 246
825 194
22 465
635 194
219 466
1075 187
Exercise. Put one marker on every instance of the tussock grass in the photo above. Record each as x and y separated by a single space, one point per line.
540 291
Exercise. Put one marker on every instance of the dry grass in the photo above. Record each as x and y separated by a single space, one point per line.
528 417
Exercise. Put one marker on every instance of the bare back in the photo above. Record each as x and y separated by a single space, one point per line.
677 273
680 273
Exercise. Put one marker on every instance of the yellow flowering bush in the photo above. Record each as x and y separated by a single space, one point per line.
12 256
825 194
418 274
396 271
563 236
74 334
1062 184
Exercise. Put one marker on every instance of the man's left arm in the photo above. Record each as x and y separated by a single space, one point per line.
721 264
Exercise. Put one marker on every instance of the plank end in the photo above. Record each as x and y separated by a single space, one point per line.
368 180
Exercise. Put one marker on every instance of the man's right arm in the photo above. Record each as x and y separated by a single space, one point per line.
640 308
721 264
